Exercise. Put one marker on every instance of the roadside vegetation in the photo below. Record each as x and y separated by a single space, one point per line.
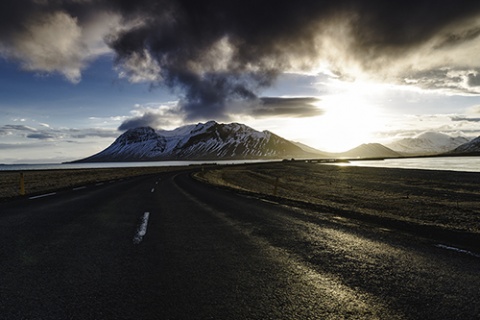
36 181
443 199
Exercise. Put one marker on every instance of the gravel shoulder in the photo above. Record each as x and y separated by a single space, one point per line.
439 200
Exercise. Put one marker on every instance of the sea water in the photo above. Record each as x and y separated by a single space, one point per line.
96 165
470 164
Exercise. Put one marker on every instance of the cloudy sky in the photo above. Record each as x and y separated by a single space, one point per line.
75 74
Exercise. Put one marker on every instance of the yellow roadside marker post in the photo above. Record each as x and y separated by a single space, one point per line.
22 184
275 187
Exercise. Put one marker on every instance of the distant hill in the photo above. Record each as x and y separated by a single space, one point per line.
311 150
370 150
427 143
204 141
469 148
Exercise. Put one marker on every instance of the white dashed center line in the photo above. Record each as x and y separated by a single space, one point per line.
142 229
43 195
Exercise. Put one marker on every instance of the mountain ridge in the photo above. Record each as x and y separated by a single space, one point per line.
427 143
370 150
203 141
470 148
212 141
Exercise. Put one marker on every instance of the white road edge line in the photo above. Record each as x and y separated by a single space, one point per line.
457 250
79 188
43 195
268 201
100 184
142 229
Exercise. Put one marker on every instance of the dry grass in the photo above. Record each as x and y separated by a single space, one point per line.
45 180
441 198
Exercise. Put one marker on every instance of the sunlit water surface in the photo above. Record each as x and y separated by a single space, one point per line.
470 164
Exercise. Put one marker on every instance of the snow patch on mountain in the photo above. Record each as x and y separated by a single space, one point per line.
203 141
469 147
427 143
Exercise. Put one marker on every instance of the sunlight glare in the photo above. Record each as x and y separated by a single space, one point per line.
351 117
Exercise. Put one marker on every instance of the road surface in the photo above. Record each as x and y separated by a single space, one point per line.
168 247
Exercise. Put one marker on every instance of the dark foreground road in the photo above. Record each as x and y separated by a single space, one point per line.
205 253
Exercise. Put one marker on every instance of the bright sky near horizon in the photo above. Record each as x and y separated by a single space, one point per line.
74 74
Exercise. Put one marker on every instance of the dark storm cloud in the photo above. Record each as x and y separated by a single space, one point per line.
474 80
16 127
439 79
40 136
10 129
292 107
264 38
55 134
88 133
214 52
25 131
149 119
458 118
402 24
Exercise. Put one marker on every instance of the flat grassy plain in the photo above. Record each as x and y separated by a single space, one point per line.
41 181
442 199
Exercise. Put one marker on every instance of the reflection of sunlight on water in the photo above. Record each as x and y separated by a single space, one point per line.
470 164
340 164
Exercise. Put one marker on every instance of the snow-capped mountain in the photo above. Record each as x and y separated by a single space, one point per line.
204 141
472 147
427 143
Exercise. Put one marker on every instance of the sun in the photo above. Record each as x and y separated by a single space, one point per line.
352 114
346 124
351 117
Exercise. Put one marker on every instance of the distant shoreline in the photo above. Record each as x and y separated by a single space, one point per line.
118 164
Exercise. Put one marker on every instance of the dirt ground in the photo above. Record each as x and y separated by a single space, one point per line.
444 199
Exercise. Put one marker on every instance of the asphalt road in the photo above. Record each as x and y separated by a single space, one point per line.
169 247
